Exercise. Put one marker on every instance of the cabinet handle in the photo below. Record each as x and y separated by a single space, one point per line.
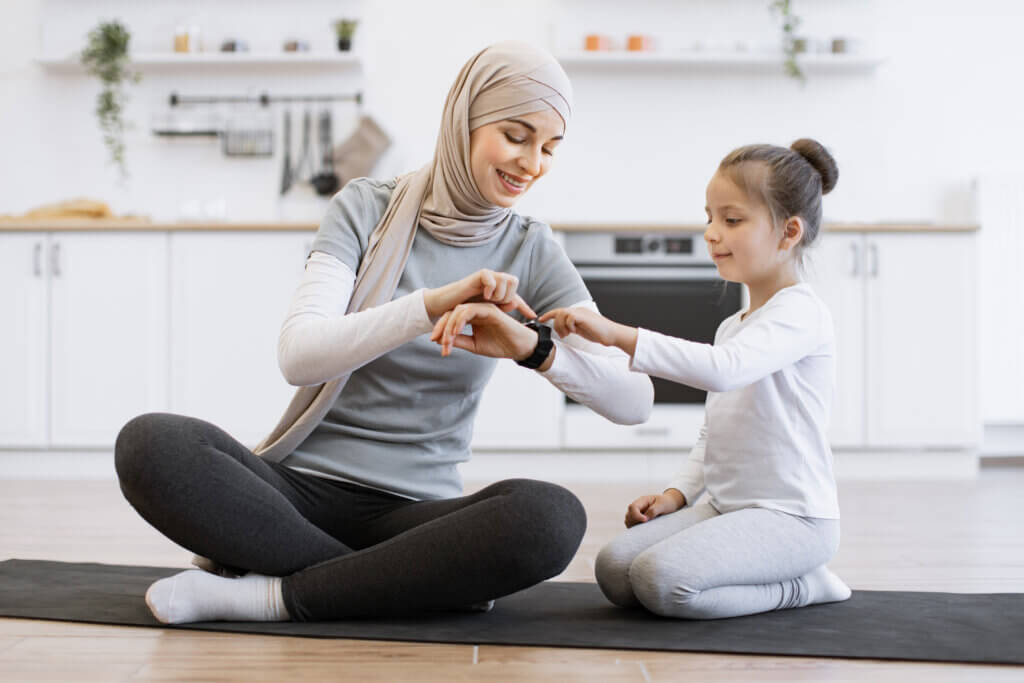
55 259
874 259
855 261
37 260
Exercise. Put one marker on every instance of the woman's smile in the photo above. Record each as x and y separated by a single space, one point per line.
512 184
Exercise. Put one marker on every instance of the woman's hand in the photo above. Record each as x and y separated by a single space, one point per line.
593 326
482 286
646 508
495 333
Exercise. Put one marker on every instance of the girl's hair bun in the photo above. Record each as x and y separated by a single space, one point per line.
820 159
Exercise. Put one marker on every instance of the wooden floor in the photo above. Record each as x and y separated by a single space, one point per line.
963 536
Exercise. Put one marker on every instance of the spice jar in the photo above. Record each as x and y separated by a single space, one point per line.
180 39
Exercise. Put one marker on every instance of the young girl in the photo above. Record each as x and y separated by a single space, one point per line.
771 518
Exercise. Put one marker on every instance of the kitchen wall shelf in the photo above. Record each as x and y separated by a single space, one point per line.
719 60
165 60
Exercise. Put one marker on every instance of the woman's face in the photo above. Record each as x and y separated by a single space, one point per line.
507 157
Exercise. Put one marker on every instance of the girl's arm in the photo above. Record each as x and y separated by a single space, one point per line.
683 490
783 332
319 342
781 335
599 377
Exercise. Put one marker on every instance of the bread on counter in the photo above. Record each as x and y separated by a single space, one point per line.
77 209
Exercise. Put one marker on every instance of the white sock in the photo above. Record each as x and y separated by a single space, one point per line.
195 595
824 586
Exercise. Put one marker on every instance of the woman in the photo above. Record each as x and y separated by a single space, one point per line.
354 507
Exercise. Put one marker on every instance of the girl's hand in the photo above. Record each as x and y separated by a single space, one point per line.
593 326
495 333
482 286
646 508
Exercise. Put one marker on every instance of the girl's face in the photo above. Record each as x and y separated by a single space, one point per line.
740 236
507 157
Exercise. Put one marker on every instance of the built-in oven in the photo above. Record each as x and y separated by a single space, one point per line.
665 282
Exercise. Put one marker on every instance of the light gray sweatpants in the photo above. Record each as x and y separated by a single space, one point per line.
697 563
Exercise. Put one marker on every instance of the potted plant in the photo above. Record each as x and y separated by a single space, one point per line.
344 28
792 45
106 56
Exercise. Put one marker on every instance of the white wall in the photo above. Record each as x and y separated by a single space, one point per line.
908 138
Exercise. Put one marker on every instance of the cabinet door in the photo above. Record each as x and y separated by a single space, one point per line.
23 345
519 409
108 326
229 296
1001 317
835 269
922 341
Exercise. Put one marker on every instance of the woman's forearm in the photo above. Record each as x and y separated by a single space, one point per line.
319 342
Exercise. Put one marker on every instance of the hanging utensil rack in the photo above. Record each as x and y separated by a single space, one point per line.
211 127
263 99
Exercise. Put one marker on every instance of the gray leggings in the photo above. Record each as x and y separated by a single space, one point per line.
344 550
699 564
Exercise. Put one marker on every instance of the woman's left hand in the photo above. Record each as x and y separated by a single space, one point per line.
495 333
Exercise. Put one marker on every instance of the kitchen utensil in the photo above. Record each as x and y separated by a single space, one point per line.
326 182
286 172
303 170
248 134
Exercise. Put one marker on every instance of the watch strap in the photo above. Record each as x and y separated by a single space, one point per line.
543 348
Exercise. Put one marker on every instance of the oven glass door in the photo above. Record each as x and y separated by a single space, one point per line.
681 302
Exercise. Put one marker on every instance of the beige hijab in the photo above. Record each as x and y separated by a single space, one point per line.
504 80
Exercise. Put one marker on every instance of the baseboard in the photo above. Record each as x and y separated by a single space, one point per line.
57 465
905 465
1002 441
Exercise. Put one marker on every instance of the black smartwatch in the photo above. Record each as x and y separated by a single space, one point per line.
544 345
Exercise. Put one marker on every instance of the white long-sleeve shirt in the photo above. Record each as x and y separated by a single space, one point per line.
769 377
319 342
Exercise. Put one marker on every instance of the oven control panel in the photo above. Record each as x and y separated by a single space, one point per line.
667 248
640 245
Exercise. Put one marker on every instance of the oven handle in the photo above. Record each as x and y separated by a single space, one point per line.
647 273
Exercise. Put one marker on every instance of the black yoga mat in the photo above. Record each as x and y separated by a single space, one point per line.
944 627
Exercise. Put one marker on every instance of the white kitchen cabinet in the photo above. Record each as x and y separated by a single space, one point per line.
87 342
922 353
229 296
108 333
23 344
835 270
519 410
904 307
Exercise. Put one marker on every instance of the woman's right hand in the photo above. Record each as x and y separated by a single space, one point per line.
482 286
646 508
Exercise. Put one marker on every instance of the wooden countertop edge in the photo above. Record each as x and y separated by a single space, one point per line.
829 227
149 226
77 225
